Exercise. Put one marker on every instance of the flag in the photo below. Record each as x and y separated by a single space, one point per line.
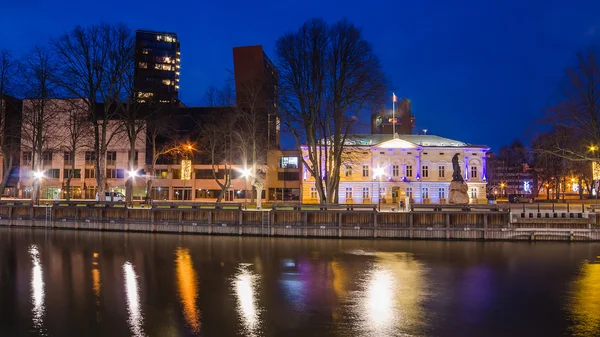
394 98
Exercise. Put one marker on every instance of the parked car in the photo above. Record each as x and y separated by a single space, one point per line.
516 198
114 196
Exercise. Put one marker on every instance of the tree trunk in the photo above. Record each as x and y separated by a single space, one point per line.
7 165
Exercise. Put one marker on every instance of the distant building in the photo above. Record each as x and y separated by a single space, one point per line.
157 67
382 121
414 166
10 131
256 80
505 179
283 181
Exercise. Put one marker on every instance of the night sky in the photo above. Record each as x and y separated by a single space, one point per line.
476 71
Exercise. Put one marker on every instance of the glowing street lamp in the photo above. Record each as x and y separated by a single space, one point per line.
132 173
377 174
39 175
245 174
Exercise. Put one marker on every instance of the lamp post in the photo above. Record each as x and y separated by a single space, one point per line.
38 175
595 177
502 189
245 175
377 173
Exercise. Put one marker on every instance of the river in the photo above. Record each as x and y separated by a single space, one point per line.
70 283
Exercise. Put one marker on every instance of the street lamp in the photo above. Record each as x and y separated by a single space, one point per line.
38 175
502 189
245 174
377 173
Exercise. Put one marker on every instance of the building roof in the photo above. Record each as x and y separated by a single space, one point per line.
405 141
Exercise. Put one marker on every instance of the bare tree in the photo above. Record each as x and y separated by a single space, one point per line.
159 134
75 127
9 132
39 111
217 141
578 112
93 61
328 73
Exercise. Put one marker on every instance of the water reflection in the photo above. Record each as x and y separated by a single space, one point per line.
585 301
37 290
390 301
187 284
245 285
136 318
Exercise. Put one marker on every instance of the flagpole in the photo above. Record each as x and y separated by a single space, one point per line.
393 115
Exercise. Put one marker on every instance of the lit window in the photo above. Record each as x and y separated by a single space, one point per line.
442 193
474 193
143 65
288 162
166 82
425 192
145 51
348 193
142 94
160 66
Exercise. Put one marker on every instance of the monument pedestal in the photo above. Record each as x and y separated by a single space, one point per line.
459 193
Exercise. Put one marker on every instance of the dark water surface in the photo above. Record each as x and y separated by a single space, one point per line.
67 283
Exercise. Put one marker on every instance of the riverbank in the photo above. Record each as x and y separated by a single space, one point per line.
334 221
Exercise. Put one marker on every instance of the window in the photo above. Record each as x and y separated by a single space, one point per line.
425 171
395 170
409 192
47 158
473 171
111 158
120 173
27 158
382 192
143 65
111 173
68 159
365 193
90 157
348 193
425 192
161 66
365 170
53 173
90 173
442 193
176 173
200 174
348 171
441 171
474 193
164 174
76 173
167 82
288 176
288 162
409 170
313 193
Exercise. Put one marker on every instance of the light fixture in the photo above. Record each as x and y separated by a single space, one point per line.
38 174
132 173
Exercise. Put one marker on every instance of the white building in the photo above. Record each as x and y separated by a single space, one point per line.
417 166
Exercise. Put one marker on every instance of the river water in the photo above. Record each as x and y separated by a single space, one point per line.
68 283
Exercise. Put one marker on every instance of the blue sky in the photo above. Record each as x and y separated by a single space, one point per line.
477 71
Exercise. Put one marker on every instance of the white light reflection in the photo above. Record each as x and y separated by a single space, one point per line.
136 319
245 284
37 290
390 302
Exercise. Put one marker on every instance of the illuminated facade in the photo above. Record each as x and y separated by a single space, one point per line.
157 67
56 162
415 166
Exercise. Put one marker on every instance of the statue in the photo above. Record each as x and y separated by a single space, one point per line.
458 186
456 175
